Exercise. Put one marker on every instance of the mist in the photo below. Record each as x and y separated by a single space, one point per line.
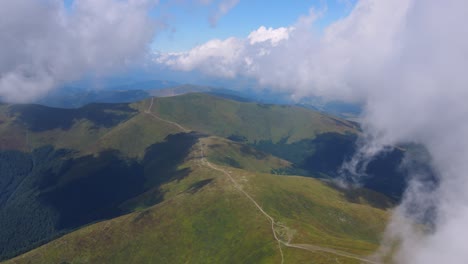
406 62
46 44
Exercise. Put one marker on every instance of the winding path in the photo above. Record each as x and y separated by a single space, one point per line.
274 224
148 111
238 187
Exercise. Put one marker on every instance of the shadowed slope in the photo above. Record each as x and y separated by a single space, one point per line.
49 192
205 219
128 167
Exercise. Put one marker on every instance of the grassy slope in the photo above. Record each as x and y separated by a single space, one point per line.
134 136
204 219
213 223
131 135
79 133
12 135
222 117
226 152
132 132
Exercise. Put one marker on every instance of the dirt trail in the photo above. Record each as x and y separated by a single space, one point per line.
315 248
274 225
148 111
238 187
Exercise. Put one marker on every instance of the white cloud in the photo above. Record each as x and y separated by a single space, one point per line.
274 36
44 45
406 60
220 57
229 57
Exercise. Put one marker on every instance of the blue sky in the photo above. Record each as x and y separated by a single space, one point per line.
185 23
188 24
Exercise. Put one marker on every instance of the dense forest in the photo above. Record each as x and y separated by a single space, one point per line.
49 192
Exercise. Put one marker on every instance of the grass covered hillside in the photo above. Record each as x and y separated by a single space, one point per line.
220 214
62 170
25 127
251 122
226 152
315 144
49 191
86 130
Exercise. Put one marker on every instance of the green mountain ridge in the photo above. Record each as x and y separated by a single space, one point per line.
63 170
75 97
207 218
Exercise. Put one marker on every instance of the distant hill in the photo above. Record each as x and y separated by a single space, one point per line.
254 121
188 88
135 177
144 85
338 108
74 97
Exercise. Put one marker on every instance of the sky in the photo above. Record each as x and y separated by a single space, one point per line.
189 25
185 24
405 61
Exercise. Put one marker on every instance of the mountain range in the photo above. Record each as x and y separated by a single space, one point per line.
75 96
197 177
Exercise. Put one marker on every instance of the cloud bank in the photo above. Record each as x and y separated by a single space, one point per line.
227 58
406 60
44 44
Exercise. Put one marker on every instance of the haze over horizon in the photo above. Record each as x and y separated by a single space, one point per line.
404 60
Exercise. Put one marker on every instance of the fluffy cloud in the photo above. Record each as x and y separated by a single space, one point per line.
229 57
44 44
274 36
219 57
406 60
